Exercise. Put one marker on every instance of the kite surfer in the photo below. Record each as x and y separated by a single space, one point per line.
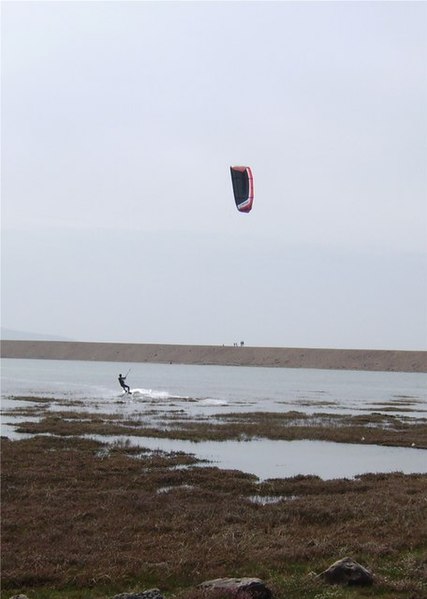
122 382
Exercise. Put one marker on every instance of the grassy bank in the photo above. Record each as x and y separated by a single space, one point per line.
81 519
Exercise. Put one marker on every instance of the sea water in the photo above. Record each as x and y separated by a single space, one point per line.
201 392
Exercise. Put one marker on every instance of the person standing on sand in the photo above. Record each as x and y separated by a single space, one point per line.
123 384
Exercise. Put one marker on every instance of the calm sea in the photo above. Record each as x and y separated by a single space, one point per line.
203 391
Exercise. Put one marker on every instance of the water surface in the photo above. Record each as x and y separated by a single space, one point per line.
196 392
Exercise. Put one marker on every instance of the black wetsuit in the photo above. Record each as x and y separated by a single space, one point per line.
123 384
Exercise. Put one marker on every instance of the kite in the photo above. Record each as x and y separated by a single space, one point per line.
243 187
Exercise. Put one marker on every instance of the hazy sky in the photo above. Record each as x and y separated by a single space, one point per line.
119 123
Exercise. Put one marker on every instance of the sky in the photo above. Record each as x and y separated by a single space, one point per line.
120 121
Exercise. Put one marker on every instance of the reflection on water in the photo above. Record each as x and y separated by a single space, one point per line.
195 392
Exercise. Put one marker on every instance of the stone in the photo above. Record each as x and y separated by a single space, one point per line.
347 571
19 597
244 588
150 594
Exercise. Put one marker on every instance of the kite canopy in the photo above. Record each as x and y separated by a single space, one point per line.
243 187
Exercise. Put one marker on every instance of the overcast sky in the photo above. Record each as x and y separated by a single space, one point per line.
119 123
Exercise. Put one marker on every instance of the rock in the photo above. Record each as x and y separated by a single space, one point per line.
19 597
250 588
347 571
150 594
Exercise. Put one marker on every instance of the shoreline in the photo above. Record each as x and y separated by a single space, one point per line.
330 359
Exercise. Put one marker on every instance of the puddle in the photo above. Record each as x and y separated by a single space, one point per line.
162 490
270 499
282 459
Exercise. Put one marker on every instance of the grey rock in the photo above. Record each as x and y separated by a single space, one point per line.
349 572
19 597
250 588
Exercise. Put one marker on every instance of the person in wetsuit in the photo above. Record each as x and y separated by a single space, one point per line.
123 384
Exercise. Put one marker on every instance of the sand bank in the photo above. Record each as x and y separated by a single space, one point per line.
339 359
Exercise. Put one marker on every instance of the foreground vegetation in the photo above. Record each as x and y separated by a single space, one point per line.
81 519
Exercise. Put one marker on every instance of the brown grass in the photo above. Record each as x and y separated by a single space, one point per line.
90 519
374 428
77 514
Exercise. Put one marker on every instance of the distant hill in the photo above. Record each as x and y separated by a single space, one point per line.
13 335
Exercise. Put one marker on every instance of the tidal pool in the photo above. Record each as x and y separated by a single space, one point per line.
281 459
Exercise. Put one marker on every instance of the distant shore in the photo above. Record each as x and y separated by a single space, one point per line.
336 359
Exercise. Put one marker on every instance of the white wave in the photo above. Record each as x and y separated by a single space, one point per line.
214 402
152 394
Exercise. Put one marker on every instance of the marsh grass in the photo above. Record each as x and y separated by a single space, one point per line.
48 401
84 519
374 428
